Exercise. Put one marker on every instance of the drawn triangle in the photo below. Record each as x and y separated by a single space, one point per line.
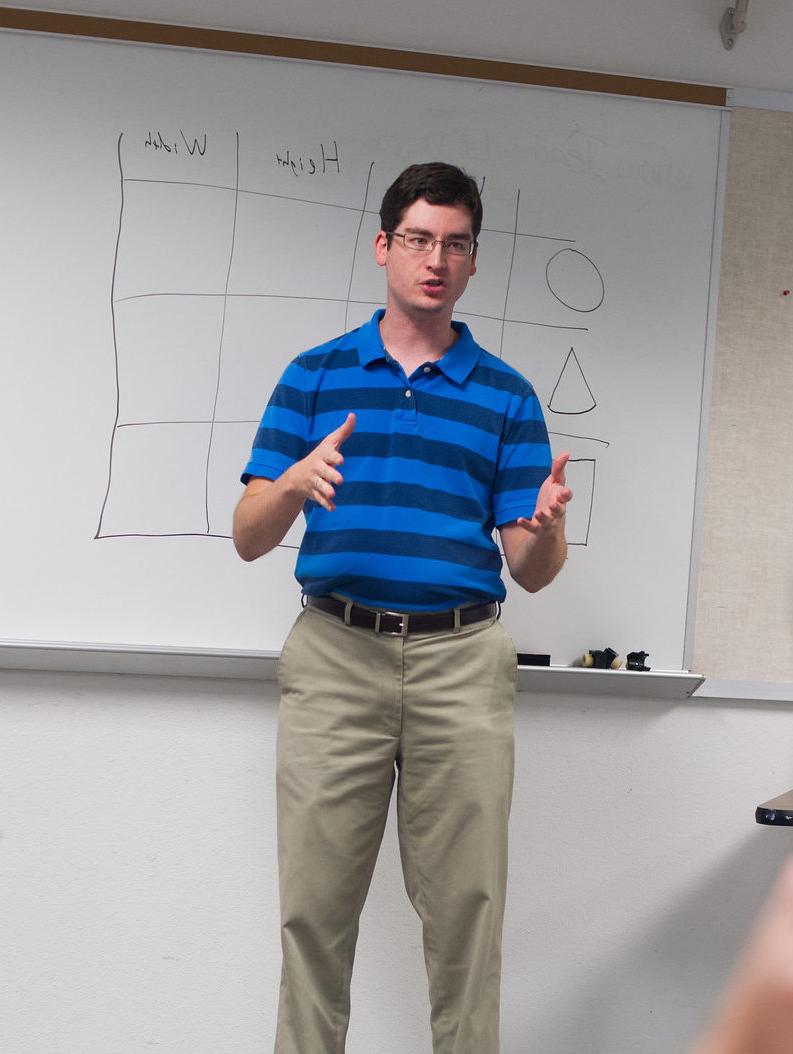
572 394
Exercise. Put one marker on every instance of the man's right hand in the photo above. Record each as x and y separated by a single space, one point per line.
316 476
268 508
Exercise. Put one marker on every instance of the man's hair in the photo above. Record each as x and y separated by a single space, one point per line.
438 184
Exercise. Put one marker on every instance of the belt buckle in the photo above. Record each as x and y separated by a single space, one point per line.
403 617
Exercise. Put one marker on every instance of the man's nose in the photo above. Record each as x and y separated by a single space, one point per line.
437 254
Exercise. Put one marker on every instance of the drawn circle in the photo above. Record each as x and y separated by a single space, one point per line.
575 280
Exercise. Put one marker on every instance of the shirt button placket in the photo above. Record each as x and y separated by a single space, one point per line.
409 404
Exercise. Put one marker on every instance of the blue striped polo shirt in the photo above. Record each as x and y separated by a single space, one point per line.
436 462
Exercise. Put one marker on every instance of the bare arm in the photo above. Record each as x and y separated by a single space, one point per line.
268 508
755 1015
536 549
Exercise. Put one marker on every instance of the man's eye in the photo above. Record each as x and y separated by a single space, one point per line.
458 246
417 240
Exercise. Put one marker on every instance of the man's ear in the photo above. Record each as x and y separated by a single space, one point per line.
381 248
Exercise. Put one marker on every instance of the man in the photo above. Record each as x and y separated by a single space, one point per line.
406 444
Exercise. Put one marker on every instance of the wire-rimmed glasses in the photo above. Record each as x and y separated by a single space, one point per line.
420 243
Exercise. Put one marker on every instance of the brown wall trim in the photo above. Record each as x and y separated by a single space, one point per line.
355 55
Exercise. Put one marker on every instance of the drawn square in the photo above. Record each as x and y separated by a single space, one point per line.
488 295
580 476
553 283
231 447
368 280
485 298
540 354
168 352
359 313
487 332
157 481
262 336
297 249
184 154
175 238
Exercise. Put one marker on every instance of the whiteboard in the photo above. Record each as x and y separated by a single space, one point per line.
183 224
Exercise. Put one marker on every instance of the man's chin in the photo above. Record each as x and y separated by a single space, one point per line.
432 306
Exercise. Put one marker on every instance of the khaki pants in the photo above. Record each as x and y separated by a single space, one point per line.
356 709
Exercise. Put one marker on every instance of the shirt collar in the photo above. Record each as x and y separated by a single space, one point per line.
456 364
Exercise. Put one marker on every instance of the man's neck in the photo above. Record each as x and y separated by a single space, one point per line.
413 342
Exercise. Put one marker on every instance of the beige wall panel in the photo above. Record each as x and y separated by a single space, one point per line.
744 624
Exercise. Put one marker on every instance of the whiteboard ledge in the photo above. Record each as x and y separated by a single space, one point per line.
758 691
575 680
78 657
74 657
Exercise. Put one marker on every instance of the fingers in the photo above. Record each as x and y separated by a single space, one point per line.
322 492
540 521
328 449
558 467
319 474
323 472
548 515
323 479
344 431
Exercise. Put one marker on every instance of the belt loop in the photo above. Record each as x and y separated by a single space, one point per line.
498 610
303 600
405 620
377 616
347 610
456 620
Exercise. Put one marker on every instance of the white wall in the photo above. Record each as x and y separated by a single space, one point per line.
138 893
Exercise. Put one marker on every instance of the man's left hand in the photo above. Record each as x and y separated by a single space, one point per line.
551 501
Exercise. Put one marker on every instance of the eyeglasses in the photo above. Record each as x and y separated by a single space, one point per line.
420 243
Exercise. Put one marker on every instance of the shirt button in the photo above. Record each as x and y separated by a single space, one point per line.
428 369
408 393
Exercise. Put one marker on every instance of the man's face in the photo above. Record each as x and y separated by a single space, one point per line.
421 283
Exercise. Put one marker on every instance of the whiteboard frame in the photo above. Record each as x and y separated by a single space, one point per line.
155 659
203 38
707 389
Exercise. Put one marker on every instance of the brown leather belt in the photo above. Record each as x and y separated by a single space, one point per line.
403 622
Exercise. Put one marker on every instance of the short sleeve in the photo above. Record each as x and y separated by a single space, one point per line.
524 460
281 439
